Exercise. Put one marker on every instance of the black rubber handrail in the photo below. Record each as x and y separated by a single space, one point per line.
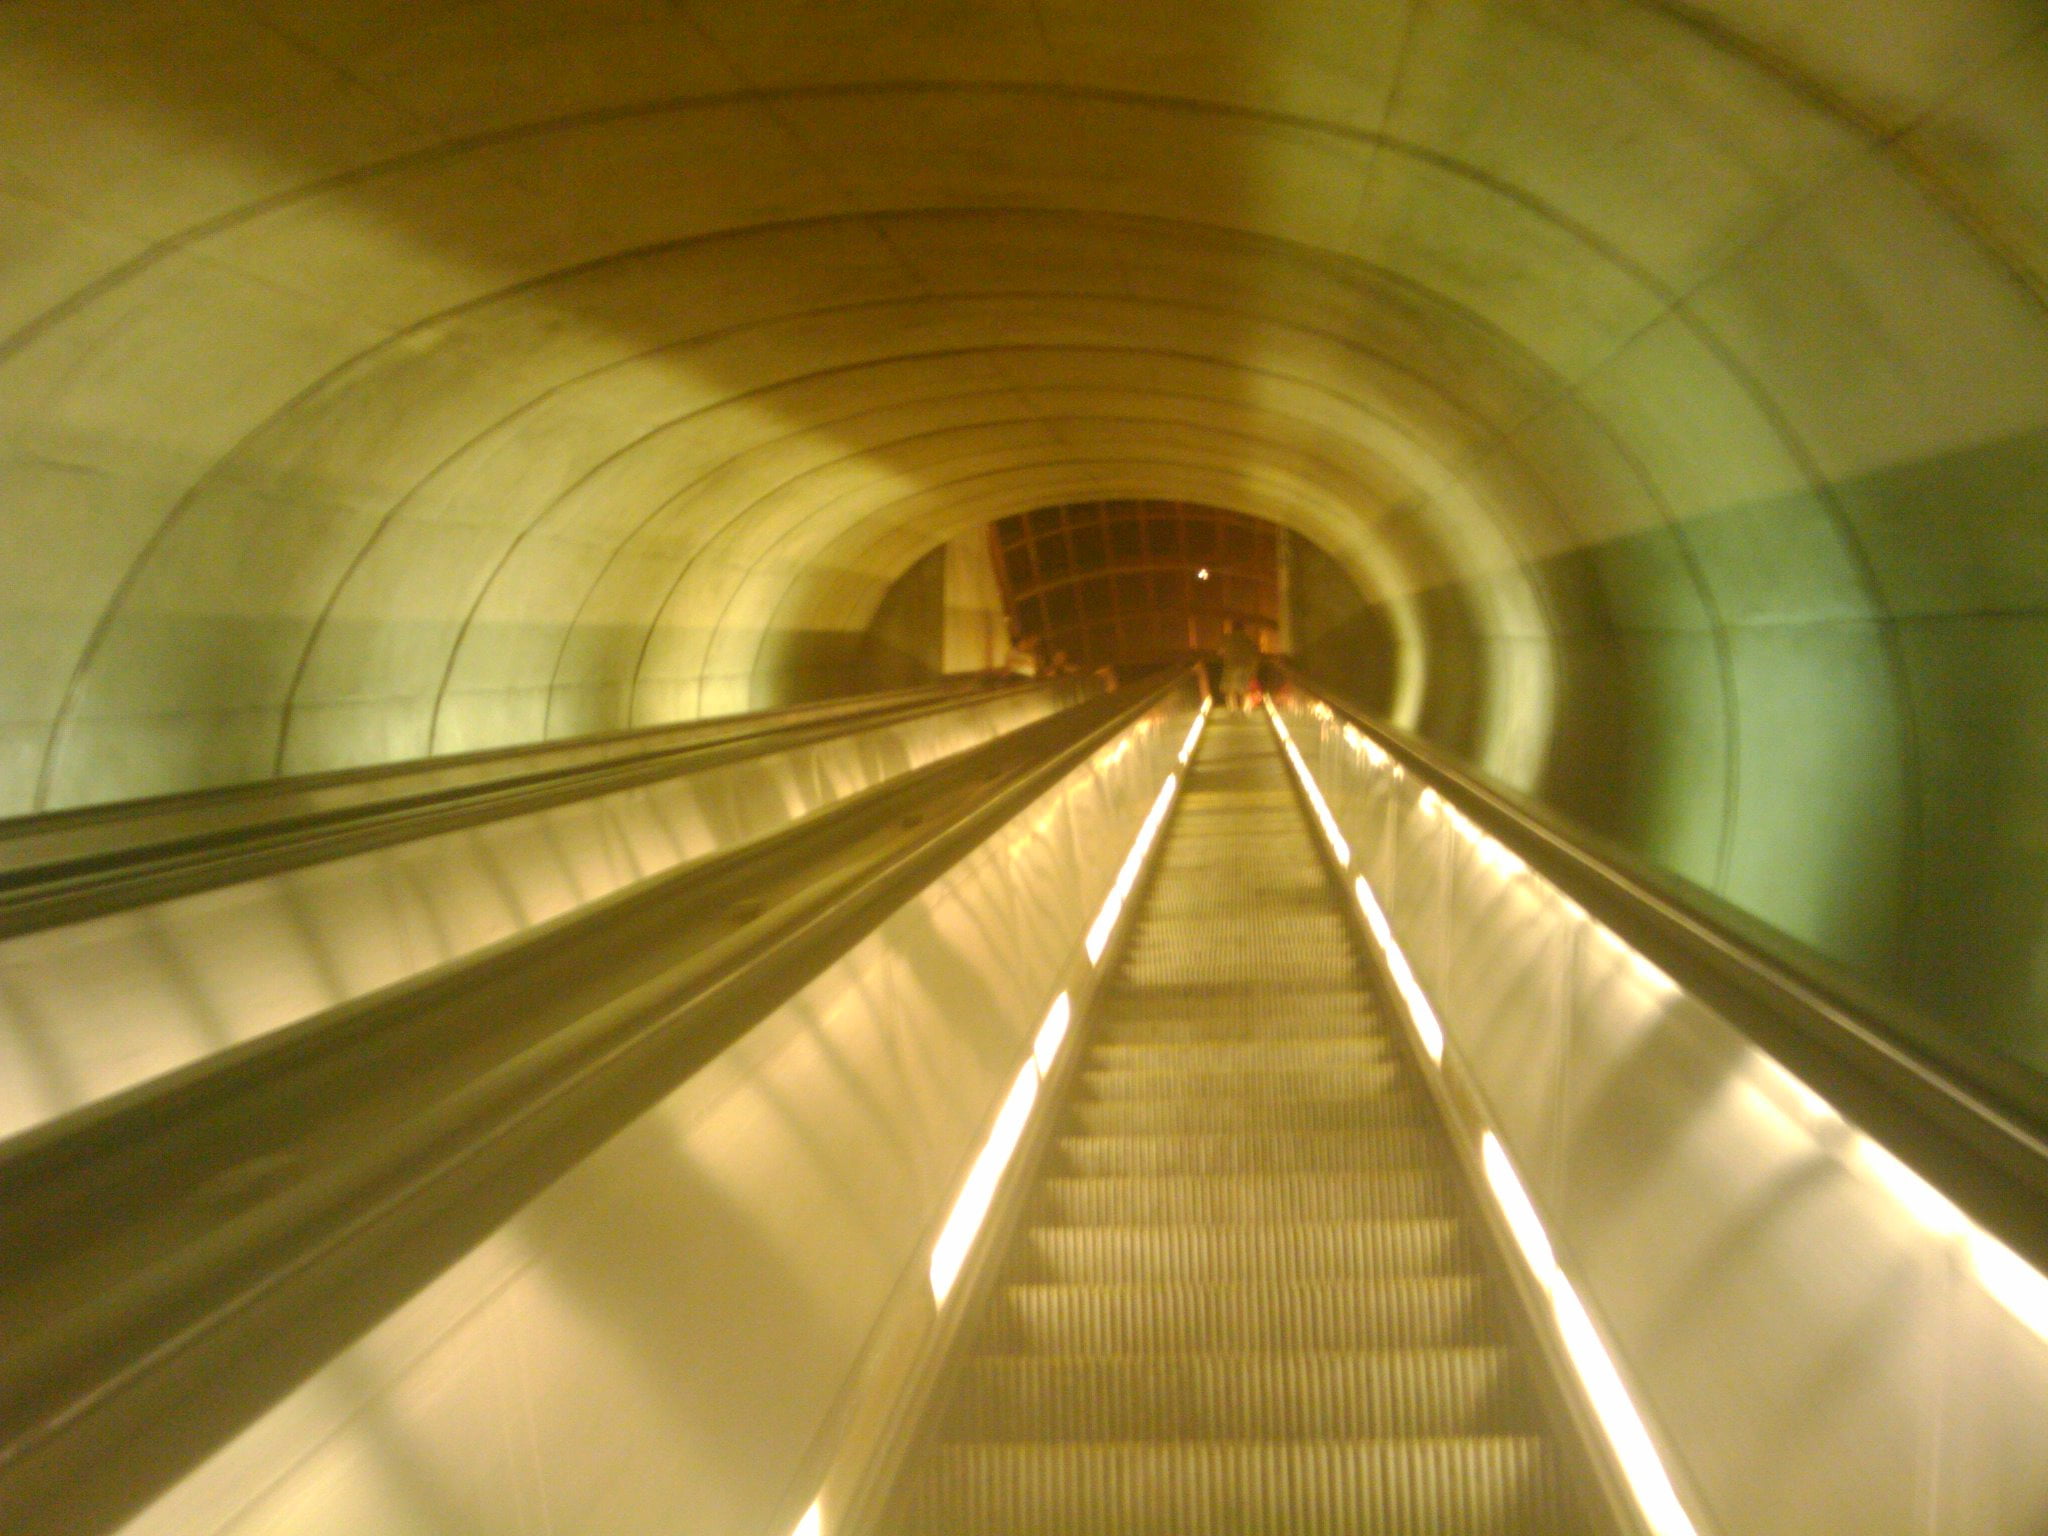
174 1259
234 840
1974 1125
75 833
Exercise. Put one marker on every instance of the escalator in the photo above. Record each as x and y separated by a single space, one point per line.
1249 1290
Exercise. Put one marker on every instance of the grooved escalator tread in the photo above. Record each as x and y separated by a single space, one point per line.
1334 1113
1463 1485
1259 1395
1348 1081
1265 1197
1303 1250
1239 1152
1312 1314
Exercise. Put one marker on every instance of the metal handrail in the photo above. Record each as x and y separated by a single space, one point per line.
478 764
68 866
1974 1126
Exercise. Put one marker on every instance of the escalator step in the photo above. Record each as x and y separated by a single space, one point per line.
1345 1083
1116 1117
1243 1152
1247 1296
1203 959
1236 1013
1300 1251
1265 1396
1405 1313
1330 1019
1249 1056
1498 1485
1246 1197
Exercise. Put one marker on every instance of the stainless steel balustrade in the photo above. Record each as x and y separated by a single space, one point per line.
95 838
323 891
1819 1339
702 1322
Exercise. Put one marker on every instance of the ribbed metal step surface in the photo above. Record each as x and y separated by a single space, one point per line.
1247 1294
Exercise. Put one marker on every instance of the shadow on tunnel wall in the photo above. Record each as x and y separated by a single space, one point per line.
903 645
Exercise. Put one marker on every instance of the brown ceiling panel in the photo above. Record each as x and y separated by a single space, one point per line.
1125 583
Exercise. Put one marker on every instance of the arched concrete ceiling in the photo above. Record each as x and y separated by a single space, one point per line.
381 379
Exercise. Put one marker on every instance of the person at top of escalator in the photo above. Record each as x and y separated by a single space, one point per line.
1240 664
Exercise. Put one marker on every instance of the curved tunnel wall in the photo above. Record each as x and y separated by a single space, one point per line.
1671 374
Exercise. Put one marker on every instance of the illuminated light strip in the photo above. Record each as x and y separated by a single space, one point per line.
1501 859
970 1210
2014 1283
1052 1034
1922 1201
2008 1279
2011 1281
1113 904
813 1522
1420 1014
979 1192
1338 846
1187 748
1605 1389
1366 747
